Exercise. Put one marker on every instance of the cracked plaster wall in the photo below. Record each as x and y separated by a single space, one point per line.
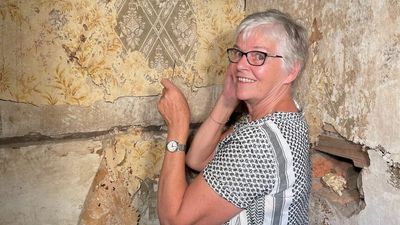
351 82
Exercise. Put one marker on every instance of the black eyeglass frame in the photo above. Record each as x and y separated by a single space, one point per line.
245 53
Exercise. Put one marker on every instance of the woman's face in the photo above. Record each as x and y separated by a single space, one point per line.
255 84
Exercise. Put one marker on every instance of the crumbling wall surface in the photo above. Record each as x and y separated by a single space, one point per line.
351 82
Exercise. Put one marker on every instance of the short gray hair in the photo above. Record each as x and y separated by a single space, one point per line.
292 37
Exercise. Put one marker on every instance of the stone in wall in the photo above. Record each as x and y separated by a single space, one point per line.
58 121
46 183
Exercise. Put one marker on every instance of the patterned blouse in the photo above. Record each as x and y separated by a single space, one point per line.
263 167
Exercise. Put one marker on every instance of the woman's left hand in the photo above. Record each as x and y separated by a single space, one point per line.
174 108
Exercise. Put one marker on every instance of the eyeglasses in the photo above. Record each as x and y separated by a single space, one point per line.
254 58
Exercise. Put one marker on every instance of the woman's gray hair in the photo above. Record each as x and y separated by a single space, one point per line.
292 37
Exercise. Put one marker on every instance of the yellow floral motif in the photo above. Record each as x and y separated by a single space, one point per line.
66 87
26 88
51 100
215 36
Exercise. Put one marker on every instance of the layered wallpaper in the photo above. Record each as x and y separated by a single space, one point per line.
81 51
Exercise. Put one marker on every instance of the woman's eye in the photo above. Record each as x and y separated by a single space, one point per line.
259 56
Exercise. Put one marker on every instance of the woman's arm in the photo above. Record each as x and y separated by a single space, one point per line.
211 131
208 135
179 203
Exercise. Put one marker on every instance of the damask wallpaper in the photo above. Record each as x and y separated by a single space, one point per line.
81 51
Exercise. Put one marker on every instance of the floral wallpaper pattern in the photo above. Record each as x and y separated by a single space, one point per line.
78 52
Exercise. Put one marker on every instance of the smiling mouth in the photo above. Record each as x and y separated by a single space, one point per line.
245 80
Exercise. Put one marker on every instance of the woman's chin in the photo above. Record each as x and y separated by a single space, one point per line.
242 93
241 97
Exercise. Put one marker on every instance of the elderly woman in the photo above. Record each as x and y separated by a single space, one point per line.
257 172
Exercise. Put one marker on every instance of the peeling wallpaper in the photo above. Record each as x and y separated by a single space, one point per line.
120 193
78 52
139 153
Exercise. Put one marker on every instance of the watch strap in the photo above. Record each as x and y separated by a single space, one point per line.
181 148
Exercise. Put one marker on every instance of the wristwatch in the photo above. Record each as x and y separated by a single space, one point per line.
174 146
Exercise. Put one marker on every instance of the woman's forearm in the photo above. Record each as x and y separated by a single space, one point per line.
209 134
172 186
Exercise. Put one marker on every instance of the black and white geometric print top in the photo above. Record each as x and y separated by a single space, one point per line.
263 167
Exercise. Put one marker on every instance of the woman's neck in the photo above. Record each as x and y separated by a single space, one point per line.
280 102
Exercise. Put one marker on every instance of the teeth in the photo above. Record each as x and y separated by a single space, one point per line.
245 80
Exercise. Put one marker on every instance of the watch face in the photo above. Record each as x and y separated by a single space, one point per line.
172 146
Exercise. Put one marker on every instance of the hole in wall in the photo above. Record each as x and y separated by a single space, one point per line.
336 171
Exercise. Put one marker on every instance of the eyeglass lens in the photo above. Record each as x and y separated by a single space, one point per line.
255 58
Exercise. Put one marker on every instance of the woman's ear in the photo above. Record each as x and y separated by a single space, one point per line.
293 73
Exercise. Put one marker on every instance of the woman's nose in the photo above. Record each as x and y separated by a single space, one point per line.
243 62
